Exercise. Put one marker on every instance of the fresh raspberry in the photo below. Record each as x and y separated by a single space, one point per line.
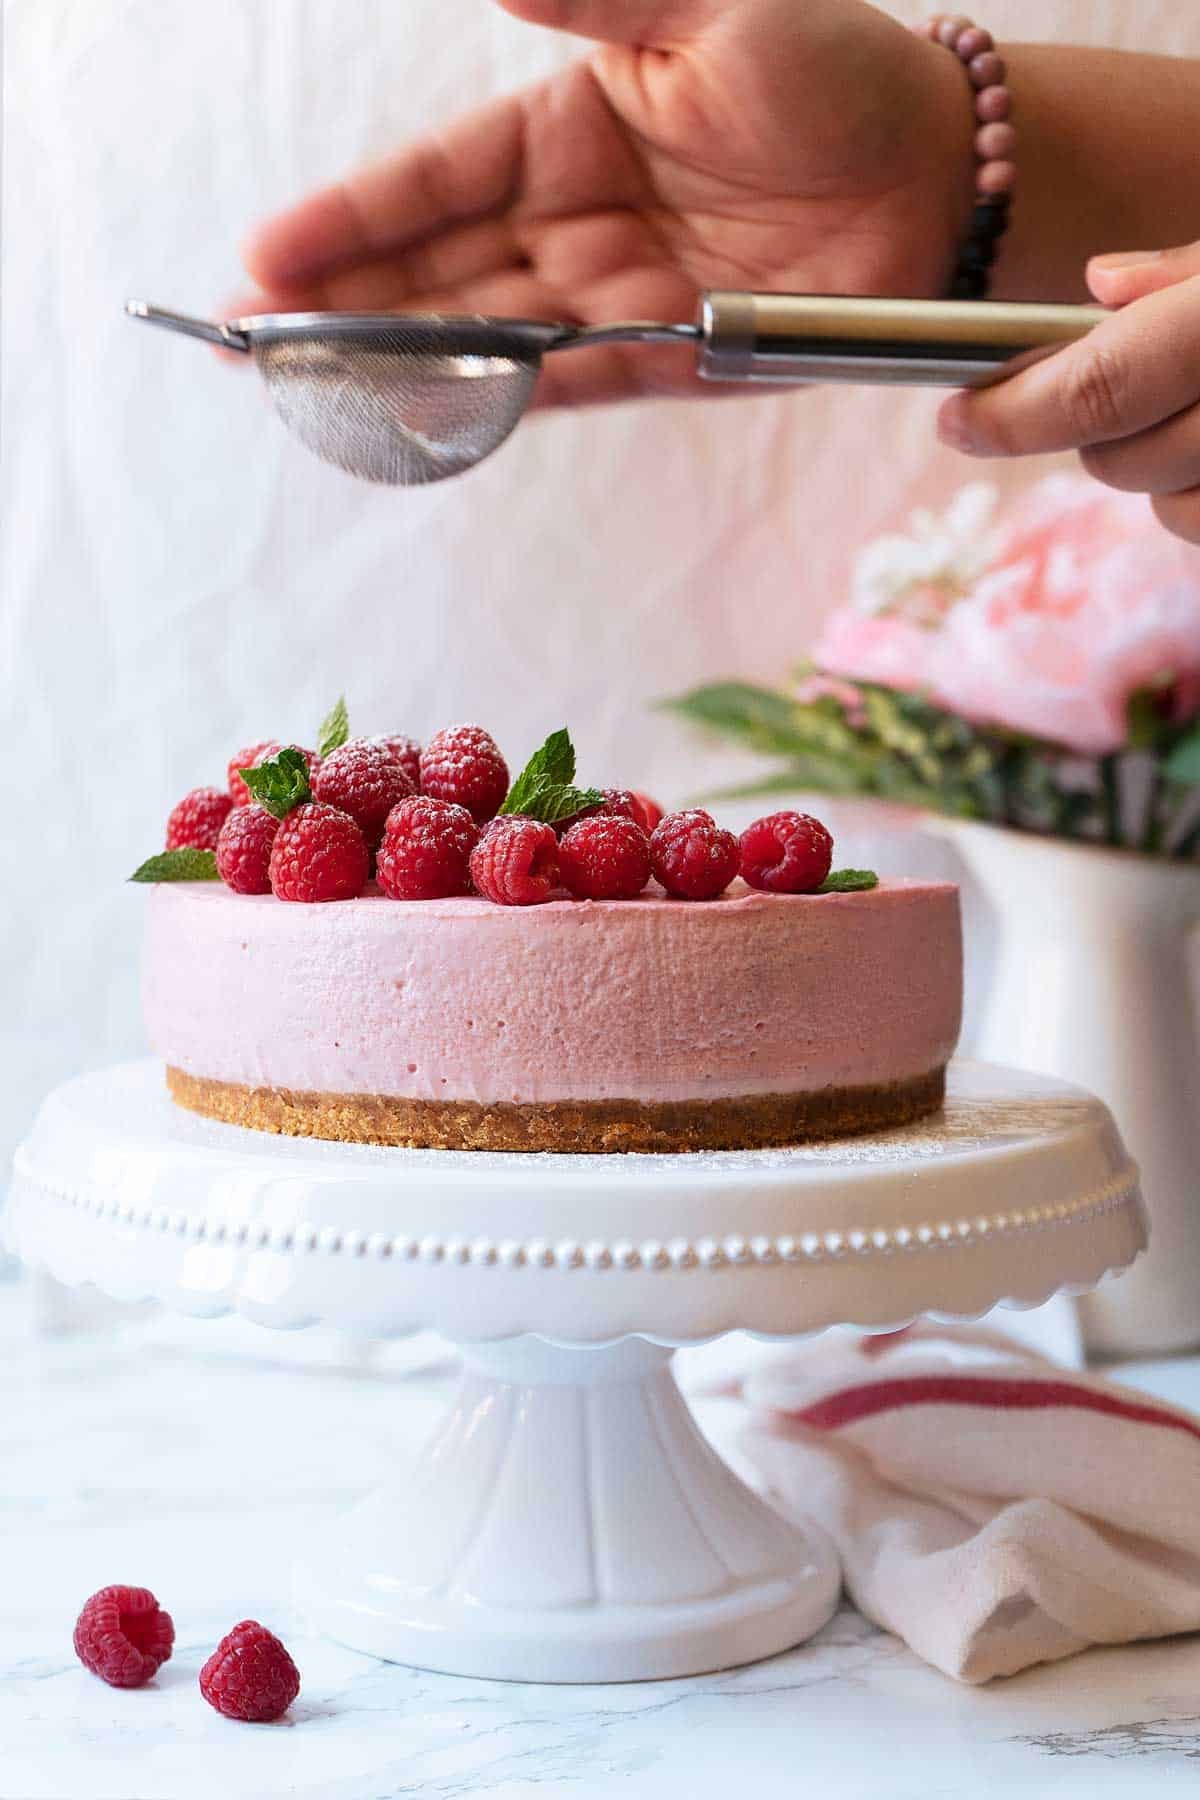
364 781
515 862
244 850
249 758
464 764
616 803
319 853
426 850
404 750
250 1675
692 857
256 754
124 1636
196 822
647 812
604 858
786 853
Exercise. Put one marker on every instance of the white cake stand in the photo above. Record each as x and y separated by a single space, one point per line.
568 1522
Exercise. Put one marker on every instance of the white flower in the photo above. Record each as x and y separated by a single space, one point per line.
924 573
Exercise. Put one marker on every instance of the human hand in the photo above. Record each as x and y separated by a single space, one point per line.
1127 396
707 143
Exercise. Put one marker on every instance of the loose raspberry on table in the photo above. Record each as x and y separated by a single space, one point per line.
256 754
244 850
250 1675
319 853
123 1635
515 862
692 857
647 812
606 857
195 824
365 781
786 853
464 764
404 750
426 850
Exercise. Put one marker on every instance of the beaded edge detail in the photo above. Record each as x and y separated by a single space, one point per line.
806 1248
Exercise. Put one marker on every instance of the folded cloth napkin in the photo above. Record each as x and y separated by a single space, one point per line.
992 1509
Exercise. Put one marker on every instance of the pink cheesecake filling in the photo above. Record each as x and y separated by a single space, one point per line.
650 999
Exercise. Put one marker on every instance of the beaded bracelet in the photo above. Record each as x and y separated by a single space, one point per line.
995 147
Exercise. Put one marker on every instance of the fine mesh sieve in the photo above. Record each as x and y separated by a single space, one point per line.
394 409
406 399
395 398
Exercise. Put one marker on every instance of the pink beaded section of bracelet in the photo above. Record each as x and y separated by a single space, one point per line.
995 147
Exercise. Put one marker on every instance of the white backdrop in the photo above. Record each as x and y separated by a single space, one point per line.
177 578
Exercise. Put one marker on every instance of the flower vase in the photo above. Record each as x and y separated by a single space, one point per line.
1096 978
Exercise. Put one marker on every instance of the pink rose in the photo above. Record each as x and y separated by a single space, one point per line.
881 647
1086 602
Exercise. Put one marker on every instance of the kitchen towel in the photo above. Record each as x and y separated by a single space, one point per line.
992 1508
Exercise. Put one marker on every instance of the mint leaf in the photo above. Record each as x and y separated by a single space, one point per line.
545 789
281 783
334 728
553 766
552 803
178 865
848 881
556 758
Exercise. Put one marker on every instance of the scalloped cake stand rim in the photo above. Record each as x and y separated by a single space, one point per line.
1020 1190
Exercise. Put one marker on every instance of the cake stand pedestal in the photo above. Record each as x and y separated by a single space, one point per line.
568 1522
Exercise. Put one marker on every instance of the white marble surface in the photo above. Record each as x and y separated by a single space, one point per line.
195 1458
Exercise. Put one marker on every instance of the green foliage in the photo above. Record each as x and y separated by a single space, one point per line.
904 749
901 747
1182 766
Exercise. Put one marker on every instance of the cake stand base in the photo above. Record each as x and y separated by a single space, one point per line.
568 1522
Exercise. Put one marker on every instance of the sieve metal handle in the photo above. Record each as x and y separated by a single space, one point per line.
224 335
630 331
802 338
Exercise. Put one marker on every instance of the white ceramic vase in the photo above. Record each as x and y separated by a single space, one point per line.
1096 978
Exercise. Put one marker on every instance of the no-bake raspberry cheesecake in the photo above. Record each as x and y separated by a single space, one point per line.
556 978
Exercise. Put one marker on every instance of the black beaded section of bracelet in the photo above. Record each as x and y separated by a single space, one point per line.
979 249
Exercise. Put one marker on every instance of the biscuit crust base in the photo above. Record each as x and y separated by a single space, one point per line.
594 1127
